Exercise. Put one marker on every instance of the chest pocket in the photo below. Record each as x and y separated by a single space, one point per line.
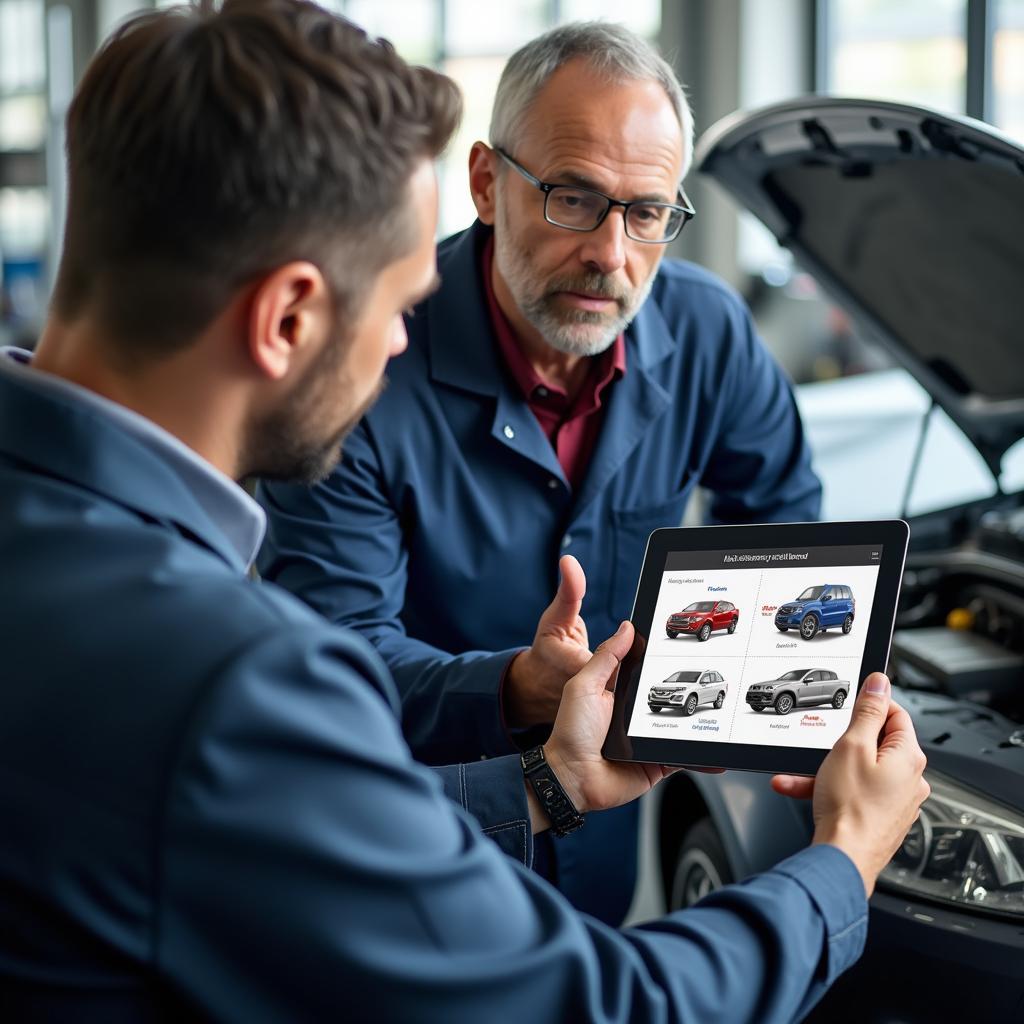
630 529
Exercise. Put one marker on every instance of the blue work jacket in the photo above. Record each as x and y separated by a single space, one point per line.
439 534
209 811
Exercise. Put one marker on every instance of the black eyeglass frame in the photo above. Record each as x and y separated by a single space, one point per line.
547 187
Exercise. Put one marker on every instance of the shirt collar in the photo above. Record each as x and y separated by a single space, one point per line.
240 518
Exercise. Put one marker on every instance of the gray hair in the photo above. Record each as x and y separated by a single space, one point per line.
610 49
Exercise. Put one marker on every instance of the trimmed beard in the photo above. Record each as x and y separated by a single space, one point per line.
577 332
290 442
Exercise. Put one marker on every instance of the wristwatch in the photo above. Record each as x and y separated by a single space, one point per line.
553 799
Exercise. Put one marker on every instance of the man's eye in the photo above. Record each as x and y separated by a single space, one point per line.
646 214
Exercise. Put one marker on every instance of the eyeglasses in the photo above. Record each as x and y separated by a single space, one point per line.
584 209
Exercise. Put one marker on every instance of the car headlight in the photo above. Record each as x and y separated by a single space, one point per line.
964 849
798 609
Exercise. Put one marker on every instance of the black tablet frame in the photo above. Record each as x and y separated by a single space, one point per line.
892 535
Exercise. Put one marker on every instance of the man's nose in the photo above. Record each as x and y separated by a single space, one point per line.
604 248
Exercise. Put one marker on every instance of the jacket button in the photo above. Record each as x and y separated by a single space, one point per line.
553 483
566 541
508 431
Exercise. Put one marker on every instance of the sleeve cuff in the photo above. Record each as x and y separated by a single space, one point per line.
494 793
837 890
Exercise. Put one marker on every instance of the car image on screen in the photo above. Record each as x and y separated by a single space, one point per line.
686 691
702 618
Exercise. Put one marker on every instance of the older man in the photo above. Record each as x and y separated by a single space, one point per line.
563 392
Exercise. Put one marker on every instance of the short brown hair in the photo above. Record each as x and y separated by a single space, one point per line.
208 144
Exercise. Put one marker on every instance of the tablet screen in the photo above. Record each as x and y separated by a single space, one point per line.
760 646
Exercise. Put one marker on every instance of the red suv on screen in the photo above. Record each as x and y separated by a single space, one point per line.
703 617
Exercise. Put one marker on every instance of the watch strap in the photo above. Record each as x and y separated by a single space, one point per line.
552 797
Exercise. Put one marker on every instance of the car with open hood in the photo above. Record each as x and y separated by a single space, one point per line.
913 221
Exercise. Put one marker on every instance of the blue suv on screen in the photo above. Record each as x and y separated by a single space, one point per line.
817 610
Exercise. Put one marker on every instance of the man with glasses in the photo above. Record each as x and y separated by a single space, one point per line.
564 392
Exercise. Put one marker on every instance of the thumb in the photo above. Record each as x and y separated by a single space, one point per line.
565 607
872 707
594 676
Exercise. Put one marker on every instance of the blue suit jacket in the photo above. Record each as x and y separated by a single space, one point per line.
438 536
208 807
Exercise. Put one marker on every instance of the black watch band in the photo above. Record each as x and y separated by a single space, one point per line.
553 799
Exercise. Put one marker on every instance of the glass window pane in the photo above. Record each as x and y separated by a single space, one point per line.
477 77
22 122
913 52
472 27
1008 67
411 25
642 16
22 65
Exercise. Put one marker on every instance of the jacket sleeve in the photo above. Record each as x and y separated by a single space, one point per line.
340 547
760 466
494 793
307 867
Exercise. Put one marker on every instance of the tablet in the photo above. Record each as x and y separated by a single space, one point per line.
752 641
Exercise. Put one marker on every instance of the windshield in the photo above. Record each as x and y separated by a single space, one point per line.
811 594
700 606
683 677
797 673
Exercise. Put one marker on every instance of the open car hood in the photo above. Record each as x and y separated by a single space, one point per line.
914 222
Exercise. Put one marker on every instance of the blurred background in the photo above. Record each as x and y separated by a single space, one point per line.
959 56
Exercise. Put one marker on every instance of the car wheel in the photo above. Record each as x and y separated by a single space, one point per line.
704 632
672 634
701 866
719 700
654 710
838 699
732 626
809 626
847 623
783 704
691 704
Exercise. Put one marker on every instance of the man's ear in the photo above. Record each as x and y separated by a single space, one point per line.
483 173
288 315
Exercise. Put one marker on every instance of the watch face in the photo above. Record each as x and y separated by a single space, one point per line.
553 799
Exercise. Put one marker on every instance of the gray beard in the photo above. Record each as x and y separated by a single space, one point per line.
577 332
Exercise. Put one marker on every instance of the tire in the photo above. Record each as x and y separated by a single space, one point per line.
719 701
654 710
701 866
672 634
691 705
732 626
809 626
704 632
838 699
783 704
847 625
782 629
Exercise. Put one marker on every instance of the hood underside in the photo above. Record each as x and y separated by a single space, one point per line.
914 222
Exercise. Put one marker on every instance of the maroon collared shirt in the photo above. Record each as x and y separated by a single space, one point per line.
571 425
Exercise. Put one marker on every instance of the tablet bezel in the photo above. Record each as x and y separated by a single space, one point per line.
893 536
